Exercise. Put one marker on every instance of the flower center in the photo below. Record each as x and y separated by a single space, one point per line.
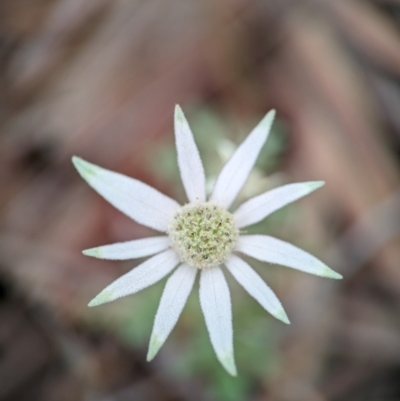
203 234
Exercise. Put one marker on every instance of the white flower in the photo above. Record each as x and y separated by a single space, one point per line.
201 235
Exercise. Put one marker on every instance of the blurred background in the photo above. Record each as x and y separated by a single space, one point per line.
99 79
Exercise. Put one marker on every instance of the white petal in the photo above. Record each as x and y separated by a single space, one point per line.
134 198
173 299
237 169
259 207
138 278
215 302
130 249
256 287
273 250
190 165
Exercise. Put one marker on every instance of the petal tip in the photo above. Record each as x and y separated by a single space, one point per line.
329 273
104 297
93 252
179 116
85 169
77 162
228 362
282 316
315 185
268 119
154 347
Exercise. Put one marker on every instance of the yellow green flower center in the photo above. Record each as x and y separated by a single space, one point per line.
203 234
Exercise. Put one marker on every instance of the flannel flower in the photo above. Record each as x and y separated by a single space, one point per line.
201 235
